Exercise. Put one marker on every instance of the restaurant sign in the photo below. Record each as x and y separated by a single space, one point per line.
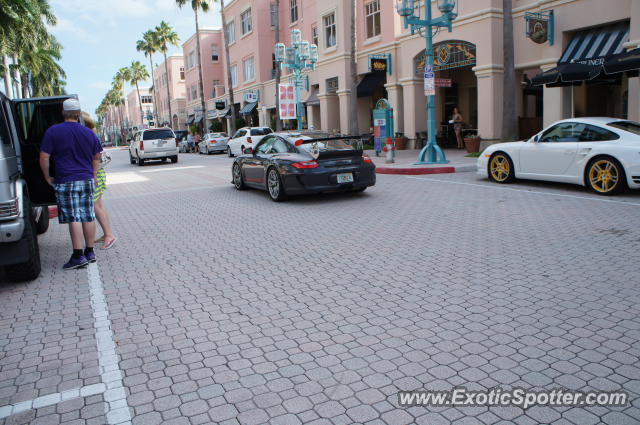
380 63
447 55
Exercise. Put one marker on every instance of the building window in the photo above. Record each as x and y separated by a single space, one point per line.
182 73
234 76
332 85
165 80
245 18
194 92
249 70
231 32
293 6
214 53
274 15
146 99
215 84
372 17
314 35
191 61
329 22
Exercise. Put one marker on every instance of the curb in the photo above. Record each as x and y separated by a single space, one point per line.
415 171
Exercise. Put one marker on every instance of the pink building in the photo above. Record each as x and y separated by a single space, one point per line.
133 108
176 97
212 48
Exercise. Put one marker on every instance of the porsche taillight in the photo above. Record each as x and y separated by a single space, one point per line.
366 159
306 164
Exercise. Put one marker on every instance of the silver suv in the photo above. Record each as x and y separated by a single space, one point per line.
153 143
24 193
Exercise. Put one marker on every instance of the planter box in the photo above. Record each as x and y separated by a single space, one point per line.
401 143
472 144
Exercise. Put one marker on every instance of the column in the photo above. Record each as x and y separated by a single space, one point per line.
263 117
557 102
309 114
489 101
410 110
345 113
634 99
394 93
329 112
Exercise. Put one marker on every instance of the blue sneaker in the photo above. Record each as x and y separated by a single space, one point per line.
91 256
76 263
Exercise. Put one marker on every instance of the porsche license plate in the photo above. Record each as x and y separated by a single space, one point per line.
345 178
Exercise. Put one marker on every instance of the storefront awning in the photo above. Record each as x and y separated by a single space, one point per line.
584 57
624 62
190 119
313 100
212 114
248 108
198 118
370 82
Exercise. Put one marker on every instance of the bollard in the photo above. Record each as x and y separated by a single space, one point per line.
390 149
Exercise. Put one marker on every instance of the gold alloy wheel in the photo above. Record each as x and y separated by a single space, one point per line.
500 168
604 176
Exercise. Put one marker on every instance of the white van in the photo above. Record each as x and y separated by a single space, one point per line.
153 143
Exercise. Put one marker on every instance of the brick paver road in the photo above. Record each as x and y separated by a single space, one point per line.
225 307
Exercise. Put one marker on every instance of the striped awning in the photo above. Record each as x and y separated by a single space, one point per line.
592 47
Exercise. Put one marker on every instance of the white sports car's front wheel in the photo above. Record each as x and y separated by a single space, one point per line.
501 168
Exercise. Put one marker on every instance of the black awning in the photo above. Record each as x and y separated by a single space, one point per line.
370 82
584 56
624 62
313 98
248 108
190 119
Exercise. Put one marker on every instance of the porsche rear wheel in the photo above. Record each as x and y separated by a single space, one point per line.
501 168
237 177
274 185
605 176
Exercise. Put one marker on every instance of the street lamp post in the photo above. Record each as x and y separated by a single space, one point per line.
300 56
431 153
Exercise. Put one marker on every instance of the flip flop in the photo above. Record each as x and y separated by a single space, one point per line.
100 239
109 244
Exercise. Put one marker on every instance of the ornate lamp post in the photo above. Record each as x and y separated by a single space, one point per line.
431 153
300 56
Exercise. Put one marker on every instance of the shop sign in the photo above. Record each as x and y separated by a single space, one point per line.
429 81
252 96
539 26
448 55
220 104
444 82
286 94
380 63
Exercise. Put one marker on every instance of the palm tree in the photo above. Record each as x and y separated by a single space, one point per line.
198 5
277 36
353 99
165 36
138 72
149 45
232 127
509 117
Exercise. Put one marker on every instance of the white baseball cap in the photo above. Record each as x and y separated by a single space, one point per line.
71 105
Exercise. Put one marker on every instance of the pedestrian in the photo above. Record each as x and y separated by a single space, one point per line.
457 126
190 141
197 141
107 239
75 151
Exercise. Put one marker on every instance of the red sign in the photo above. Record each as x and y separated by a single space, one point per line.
443 82
287 102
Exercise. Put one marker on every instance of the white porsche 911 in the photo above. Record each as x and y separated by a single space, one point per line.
602 154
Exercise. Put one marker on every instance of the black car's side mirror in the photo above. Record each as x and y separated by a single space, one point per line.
248 151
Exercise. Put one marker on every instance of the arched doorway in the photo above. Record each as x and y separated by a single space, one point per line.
175 122
456 86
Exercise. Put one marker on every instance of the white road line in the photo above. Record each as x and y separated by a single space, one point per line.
534 192
188 167
51 399
116 408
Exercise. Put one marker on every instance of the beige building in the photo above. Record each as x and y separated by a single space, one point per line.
133 108
170 92
469 62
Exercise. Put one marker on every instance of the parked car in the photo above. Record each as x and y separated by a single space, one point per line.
246 137
153 143
181 134
213 142
599 153
25 195
183 146
284 165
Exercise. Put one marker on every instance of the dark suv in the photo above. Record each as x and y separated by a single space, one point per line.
24 193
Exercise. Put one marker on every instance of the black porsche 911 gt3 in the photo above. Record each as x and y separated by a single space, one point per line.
284 164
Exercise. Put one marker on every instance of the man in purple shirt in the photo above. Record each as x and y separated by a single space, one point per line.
75 151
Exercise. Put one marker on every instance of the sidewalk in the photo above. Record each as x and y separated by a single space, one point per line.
406 159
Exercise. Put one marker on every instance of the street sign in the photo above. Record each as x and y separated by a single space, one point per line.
444 82
429 81
287 101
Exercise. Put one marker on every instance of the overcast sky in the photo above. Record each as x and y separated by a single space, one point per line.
99 37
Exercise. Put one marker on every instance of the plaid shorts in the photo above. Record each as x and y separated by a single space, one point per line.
75 201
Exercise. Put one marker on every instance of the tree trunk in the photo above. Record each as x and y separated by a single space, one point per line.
25 85
166 70
354 129
232 127
509 117
140 105
278 121
7 77
153 91
202 101
120 108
